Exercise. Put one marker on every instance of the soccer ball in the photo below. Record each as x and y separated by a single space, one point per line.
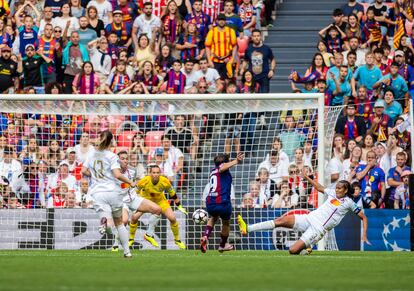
200 216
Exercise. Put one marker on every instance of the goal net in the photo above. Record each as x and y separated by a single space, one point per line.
45 202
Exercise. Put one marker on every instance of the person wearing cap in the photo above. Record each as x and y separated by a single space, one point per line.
395 82
129 10
383 156
394 177
161 160
62 175
399 58
350 125
9 76
379 123
221 54
120 28
402 196
32 68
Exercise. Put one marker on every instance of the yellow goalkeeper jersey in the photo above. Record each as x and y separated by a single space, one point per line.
155 192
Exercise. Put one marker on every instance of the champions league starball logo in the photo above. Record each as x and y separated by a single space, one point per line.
394 229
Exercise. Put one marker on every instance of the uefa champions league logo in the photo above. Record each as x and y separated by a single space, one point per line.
391 230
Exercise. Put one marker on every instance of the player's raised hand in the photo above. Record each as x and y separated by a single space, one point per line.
240 157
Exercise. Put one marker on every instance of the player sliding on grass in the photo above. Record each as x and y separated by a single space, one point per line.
315 224
153 187
104 169
218 200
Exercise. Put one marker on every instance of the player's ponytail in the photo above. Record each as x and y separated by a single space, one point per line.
105 140
349 191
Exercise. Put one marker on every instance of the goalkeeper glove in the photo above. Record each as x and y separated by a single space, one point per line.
182 209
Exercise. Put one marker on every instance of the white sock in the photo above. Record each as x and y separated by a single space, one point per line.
152 224
265 225
116 242
123 237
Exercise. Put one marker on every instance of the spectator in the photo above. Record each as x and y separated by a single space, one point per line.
66 21
182 137
120 28
10 168
8 76
191 44
199 18
259 59
379 123
392 108
104 10
353 8
247 201
171 23
57 196
118 80
354 45
84 148
190 74
254 193
286 198
277 170
176 79
396 82
74 55
129 10
76 8
350 125
82 194
211 75
349 165
361 201
402 197
366 75
32 66
333 37
394 178
328 58
372 179
86 82
86 34
100 59
290 137
95 22
161 159
268 187
70 201
146 23
49 47
221 55
175 158
339 88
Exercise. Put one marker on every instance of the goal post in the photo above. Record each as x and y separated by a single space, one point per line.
43 131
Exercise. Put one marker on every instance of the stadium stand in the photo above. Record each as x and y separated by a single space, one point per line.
55 47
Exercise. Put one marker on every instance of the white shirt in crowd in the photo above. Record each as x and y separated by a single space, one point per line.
276 172
174 155
61 22
331 212
283 157
211 76
335 167
103 9
12 171
105 67
146 26
101 164
54 180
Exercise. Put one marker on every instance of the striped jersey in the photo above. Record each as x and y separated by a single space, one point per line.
221 43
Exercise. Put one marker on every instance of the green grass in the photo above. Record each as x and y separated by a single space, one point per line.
191 270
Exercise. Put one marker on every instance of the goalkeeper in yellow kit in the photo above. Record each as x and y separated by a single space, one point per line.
153 187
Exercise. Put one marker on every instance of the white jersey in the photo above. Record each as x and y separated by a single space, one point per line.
332 211
130 193
101 164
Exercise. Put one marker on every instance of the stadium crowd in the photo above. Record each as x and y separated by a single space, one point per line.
365 61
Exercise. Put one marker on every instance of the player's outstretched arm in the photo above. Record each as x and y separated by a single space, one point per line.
364 219
226 166
315 184
117 174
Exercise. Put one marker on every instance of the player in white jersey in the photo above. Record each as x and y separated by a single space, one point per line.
104 169
315 224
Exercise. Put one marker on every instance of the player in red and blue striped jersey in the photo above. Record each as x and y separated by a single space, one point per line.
218 200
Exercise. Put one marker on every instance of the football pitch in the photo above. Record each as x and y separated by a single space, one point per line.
191 270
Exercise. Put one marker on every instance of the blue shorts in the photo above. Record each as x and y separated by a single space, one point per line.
222 210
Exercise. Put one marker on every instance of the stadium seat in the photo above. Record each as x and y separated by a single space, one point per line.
124 139
153 139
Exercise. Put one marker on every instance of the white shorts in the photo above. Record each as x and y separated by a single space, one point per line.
134 204
311 234
108 204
